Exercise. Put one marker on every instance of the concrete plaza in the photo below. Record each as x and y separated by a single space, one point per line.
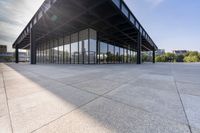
147 98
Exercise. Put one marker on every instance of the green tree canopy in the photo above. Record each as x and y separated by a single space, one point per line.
191 56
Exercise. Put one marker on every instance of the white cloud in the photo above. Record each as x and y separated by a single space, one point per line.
14 15
155 2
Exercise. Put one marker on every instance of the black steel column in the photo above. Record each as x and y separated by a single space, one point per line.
139 44
16 55
153 55
33 46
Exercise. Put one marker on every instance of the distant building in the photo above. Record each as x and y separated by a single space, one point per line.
9 57
3 48
180 52
160 52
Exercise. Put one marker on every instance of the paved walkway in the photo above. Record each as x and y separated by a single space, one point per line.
160 98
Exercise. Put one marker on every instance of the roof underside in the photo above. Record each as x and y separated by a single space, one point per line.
69 16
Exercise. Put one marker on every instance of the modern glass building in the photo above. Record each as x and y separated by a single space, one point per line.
84 32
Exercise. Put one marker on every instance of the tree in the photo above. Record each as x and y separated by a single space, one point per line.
191 56
170 57
179 58
144 57
160 58
191 59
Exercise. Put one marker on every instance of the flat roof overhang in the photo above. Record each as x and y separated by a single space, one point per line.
69 16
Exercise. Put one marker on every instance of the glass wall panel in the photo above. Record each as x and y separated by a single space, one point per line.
125 55
41 54
83 47
80 47
121 55
47 56
86 51
117 55
74 48
45 52
103 53
55 52
111 54
133 57
147 56
61 50
93 47
51 51
67 50
129 56
125 10
37 54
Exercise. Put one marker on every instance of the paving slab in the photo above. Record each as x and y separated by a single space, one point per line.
105 116
5 124
160 82
33 111
1 82
189 88
160 102
195 130
188 78
192 108
98 86
3 105
137 98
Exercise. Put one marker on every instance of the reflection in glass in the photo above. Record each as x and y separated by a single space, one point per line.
117 55
47 56
45 52
93 48
61 50
55 52
128 56
83 47
111 54
103 53
67 50
74 48
51 51
125 56
121 55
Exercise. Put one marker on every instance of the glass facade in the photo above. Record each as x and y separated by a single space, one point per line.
83 48
147 56
67 50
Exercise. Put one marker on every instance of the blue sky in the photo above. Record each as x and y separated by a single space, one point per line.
172 24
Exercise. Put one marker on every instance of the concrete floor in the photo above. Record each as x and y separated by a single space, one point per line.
160 98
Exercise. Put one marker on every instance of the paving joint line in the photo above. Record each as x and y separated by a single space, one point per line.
65 114
8 108
98 96
188 123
